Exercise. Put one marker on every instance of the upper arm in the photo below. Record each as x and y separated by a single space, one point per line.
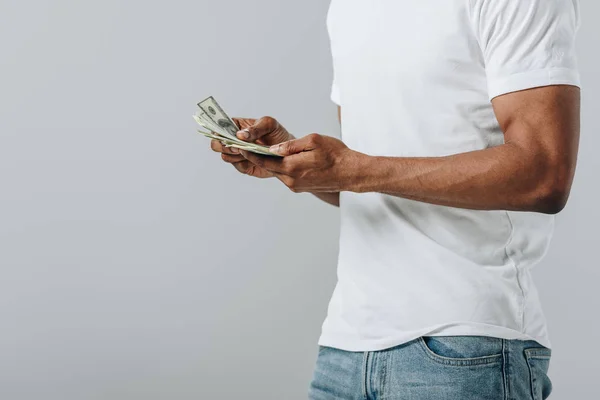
528 51
544 121
339 114
543 125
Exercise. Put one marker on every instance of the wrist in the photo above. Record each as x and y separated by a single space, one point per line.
359 173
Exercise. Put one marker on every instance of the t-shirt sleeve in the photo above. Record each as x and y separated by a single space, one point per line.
335 91
527 43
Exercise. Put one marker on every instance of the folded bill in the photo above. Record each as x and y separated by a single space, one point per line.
219 126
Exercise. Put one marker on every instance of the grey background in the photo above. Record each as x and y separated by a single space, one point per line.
135 265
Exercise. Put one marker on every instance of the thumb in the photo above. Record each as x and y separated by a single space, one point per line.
293 146
262 127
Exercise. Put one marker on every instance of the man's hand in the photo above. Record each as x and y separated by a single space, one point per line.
266 131
314 163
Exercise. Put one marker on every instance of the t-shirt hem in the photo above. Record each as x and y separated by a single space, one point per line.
532 79
361 345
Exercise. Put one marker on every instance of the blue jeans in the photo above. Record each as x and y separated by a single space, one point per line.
436 368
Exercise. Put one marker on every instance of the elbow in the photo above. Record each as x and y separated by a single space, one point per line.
552 193
552 201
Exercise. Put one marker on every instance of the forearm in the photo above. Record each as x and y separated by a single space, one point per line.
506 177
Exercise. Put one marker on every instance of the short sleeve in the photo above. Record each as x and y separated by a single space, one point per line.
527 43
335 92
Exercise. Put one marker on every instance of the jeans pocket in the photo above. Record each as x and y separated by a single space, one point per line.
538 361
462 350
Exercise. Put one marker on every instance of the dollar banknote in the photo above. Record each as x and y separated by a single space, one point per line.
219 126
231 143
218 116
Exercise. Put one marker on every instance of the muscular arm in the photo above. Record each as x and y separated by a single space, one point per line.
532 171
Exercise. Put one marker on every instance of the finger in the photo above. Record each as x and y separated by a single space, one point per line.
271 164
242 166
246 168
232 158
219 147
260 128
231 150
244 123
307 143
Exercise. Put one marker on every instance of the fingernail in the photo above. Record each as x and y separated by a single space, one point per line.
244 134
235 150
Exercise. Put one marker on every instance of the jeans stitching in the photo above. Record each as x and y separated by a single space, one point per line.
504 375
531 378
459 362
538 354
365 374
384 359
508 368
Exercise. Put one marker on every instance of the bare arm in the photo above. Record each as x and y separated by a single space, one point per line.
532 171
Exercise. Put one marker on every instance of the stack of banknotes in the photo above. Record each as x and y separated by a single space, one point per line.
217 125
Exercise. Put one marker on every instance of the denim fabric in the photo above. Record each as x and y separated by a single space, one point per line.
436 368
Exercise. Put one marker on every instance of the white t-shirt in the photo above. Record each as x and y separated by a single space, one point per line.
415 78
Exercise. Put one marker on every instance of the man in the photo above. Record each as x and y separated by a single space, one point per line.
460 127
